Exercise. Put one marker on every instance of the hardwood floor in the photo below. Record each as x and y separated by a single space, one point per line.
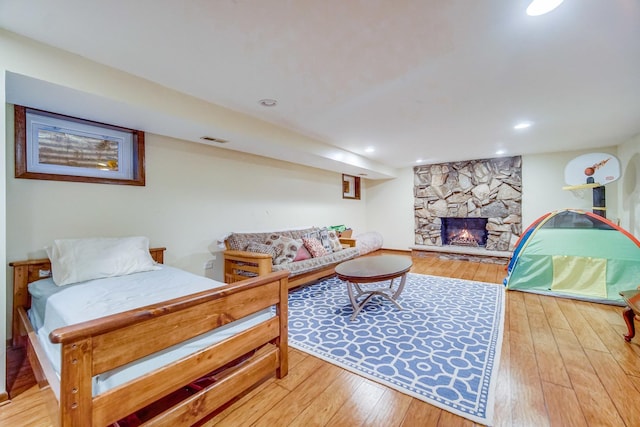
563 363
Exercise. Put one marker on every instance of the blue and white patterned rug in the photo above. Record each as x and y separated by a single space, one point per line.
443 348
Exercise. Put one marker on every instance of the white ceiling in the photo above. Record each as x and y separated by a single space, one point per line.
415 79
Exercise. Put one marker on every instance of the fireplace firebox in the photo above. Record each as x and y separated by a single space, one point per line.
464 231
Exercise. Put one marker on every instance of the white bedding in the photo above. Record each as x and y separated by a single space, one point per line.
53 307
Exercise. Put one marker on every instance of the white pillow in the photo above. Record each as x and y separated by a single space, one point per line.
77 260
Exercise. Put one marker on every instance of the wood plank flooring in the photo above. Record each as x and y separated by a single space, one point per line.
563 363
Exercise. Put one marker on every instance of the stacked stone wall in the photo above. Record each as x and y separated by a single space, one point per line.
490 188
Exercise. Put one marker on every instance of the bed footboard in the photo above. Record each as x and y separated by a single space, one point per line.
100 345
91 348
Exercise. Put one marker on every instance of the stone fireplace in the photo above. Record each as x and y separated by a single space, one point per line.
488 190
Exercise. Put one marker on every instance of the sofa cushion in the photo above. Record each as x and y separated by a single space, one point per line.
286 248
299 234
301 267
262 248
334 241
240 241
325 240
323 236
303 253
314 246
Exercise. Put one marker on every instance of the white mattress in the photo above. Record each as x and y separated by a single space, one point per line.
53 307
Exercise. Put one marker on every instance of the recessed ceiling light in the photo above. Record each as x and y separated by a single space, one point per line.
540 7
419 161
369 150
268 102
500 152
522 125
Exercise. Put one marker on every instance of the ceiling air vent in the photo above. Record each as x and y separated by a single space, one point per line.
212 139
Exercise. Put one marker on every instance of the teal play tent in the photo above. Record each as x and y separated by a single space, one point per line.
575 254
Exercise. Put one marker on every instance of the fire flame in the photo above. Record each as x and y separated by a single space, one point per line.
466 235
464 238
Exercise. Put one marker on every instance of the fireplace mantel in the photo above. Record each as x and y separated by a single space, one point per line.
462 253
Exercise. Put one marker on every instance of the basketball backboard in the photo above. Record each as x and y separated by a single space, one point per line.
596 168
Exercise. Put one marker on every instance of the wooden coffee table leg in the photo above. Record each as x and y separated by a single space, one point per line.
628 315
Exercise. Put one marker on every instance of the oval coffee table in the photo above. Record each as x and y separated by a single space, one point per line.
372 269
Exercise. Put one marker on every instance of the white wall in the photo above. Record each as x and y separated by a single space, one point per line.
542 182
390 203
194 195
629 186
390 209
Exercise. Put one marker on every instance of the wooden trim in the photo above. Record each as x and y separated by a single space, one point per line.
282 340
348 241
206 401
20 136
400 251
21 151
42 368
117 403
350 187
238 265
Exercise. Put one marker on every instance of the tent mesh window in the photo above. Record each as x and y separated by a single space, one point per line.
573 220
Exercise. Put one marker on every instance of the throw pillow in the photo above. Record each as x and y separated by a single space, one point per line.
263 248
314 246
303 253
334 240
313 234
325 240
286 246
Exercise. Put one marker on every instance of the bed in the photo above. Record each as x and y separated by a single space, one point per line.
99 347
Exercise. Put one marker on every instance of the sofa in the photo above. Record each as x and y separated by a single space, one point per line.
308 254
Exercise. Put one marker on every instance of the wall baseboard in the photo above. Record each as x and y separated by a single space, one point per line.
399 251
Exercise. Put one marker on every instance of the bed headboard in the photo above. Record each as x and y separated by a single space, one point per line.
25 272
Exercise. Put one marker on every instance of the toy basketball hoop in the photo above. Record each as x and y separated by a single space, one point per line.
592 171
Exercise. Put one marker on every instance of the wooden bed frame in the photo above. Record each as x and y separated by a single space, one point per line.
99 345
